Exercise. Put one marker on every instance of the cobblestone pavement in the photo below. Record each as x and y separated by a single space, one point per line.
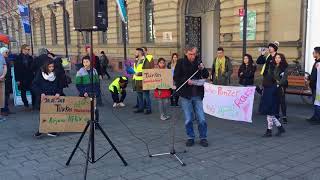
236 150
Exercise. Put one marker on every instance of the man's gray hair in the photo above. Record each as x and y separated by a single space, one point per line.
190 47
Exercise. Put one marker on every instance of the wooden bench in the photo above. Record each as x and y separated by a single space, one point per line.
297 86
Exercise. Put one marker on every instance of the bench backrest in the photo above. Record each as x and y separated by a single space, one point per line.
296 81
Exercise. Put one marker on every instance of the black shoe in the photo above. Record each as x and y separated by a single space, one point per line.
280 131
285 120
190 142
147 112
204 143
37 134
268 133
138 111
135 107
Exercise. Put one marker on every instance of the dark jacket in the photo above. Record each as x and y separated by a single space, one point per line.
8 78
183 71
39 62
42 86
281 76
60 73
247 78
269 103
223 79
24 72
269 61
313 76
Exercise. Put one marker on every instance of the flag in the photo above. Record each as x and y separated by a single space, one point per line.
25 21
122 10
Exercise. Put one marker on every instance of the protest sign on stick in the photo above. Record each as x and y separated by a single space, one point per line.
65 114
157 79
229 102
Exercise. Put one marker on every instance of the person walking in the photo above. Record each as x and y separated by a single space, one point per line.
162 95
221 69
24 74
314 80
246 71
141 63
104 62
267 60
191 95
46 84
171 65
280 74
269 105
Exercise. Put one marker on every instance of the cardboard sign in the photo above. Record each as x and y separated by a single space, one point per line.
2 96
157 79
229 102
66 114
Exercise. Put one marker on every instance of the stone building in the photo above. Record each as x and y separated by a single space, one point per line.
165 26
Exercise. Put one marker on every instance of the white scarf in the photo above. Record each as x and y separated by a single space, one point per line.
317 100
49 77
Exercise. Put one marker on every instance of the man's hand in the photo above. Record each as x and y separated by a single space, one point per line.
241 73
190 82
264 51
85 94
42 96
57 96
201 66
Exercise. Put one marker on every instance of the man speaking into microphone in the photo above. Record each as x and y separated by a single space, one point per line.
192 93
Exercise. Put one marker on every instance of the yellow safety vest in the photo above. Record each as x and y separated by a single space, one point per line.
149 57
138 69
116 84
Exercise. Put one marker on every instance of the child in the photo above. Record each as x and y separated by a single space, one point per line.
162 95
83 80
246 71
46 84
116 87
269 105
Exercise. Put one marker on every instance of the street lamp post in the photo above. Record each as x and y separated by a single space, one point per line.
245 22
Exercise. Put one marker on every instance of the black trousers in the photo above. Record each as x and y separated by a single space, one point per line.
105 69
25 100
283 103
115 96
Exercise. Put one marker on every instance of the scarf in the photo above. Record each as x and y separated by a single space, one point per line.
49 77
220 66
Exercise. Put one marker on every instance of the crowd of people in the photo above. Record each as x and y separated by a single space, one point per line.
45 75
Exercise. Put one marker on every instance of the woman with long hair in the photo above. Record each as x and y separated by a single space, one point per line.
246 71
171 65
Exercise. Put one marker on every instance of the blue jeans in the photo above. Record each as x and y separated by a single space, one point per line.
6 103
316 113
144 100
194 104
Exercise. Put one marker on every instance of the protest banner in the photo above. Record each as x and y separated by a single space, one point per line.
17 100
229 102
157 79
2 96
65 114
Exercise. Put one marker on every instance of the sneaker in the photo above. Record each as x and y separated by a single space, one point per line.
115 105
190 142
164 118
121 104
53 134
37 134
285 120
204 143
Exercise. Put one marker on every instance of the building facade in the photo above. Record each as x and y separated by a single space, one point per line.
166 26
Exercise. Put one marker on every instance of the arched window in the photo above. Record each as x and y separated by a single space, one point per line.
149 21
54 35
67 18
102 37
42 30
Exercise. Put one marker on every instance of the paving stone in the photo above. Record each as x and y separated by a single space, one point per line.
248 176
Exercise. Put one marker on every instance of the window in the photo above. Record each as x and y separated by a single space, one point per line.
42 30
149 19
86 37
13 30
19 33
102 37
67 18
54 35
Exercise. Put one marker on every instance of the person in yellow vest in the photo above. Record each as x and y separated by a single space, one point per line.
148 56
221 69
140 64
268 60
118 86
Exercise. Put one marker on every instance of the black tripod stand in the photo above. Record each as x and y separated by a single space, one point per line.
173 151
93 123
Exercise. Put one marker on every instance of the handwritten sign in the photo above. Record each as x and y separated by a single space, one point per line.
229 102
2 96
157 79
66 114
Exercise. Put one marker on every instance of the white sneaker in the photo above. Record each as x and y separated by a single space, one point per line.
115 105
164 118
121 104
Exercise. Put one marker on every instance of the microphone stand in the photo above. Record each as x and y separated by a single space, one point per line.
173 151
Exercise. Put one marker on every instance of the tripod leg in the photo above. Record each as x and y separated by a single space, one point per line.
88 152
78 143
112 145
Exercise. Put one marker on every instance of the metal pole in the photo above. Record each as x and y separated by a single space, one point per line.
245 22
65 27
124 36
31 37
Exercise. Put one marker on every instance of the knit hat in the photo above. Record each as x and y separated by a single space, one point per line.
275 45
3 49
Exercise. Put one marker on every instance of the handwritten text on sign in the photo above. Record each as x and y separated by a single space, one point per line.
65 114
157 79
229 102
